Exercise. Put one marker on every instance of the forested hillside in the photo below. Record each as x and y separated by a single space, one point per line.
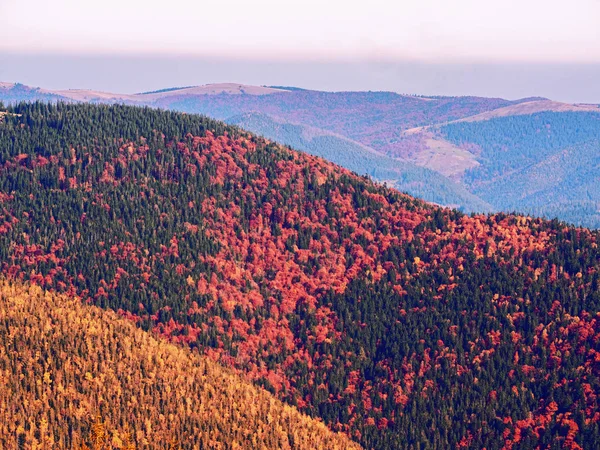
402 324
402 175
74 376
375 119
513 143
546 163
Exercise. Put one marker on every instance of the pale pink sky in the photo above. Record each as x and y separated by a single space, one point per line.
427 30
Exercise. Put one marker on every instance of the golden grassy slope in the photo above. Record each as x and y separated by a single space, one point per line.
63 363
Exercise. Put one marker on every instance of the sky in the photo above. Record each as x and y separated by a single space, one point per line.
493 47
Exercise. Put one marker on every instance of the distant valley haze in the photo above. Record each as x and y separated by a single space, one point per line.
568 82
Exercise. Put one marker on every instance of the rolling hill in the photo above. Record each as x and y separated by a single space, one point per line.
85 95
76 375
399 323
236 104
429 147
402 175
527 108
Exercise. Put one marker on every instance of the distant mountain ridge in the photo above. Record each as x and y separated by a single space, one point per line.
10 92
400 139
356 156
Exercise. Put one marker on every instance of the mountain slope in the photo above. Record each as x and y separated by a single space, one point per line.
404 176
537 157
544 163
402 324
567 178
441 135
373 118
72 372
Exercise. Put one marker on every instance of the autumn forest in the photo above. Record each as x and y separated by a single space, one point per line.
175 281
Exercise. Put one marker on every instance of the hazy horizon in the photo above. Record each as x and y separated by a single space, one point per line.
509 48
136 73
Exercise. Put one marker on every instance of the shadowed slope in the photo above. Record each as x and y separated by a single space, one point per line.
403 175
